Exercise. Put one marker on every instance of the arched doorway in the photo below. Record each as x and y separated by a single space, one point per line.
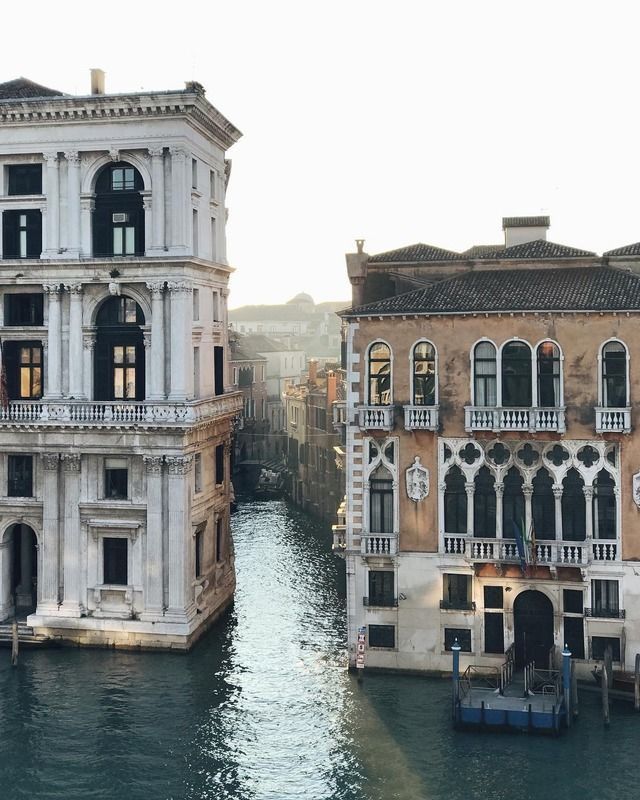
19 572
533 628
119 364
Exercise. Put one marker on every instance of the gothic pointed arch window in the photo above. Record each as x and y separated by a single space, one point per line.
119 372
381 500
604 506
543 506
549 378
424 374
379 369
516 375
513 504
484 375
455 502
574 524
614 389
118 219
484 504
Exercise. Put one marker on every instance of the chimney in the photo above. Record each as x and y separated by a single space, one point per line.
357 272
332 382
97 81
313 370
519 230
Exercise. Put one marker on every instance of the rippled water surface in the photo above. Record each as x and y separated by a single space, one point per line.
263 709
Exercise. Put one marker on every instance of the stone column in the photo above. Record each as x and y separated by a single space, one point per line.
588 497
71 550
153 569
146 341
88 352
178 200
180 595
470 489
76 385
87 207
157 198
73 202
181 349
156 367
148 222
499 496
23 590
52 183
54 360
48 579
557 499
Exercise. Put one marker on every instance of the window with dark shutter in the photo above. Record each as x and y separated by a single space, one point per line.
115 552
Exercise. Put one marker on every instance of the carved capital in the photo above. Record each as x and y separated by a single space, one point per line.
53 289
70 462
146 203
178 286
557 491
50 158
588 492
50 460
527 491
156 288
74 289
224 293
156 151
179 465
73 157
153 464
146 338
499 487
177 153
89 341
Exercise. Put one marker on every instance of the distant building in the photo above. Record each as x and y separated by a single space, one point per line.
248 371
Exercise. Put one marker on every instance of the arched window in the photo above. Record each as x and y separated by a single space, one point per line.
614 375
381 501
516 375
543 506
119 363
548 358
484 375
484 504
455 502
118 219
379 374
513 504
604 506
424 374
573 508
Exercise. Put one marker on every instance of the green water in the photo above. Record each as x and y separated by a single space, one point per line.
263 709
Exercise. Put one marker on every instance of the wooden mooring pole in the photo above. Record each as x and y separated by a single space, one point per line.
15 643
636 684
605 695
574 690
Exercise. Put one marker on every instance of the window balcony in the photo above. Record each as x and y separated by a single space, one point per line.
421 418
605 613
545 552
375 418
478 418
380 602
613 420
339 539
378 544
339 414
457 605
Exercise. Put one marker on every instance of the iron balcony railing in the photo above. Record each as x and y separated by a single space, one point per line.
457 605
605 613
380 601
481 418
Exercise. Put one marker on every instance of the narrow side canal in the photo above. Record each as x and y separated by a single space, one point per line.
263 709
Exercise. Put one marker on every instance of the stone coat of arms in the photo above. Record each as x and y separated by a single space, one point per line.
417 477
636 489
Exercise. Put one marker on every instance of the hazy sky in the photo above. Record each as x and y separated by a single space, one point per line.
396 122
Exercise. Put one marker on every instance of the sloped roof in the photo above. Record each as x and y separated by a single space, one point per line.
415 253
21 88
539 248
563 289
627 250
264 344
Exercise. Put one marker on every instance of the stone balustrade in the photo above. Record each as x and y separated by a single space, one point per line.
477 418
545 552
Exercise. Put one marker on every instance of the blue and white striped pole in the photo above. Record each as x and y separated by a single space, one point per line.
566 682
455 649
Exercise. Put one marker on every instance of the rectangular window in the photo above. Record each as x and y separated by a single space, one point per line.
25 179
124 372
219 538
573 601
493 633
30 367
116 478
196 372
456 591
219 464
600 643
197 473
380 506
212 184
218 370
381 588
198 553
463 635
194 173
115 554
216 306
196 305
122 179
574 635
382 636
604 598
23 309
20 482
21 234
124 240
195 233
493 597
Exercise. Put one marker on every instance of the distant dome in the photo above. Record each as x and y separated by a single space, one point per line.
301 299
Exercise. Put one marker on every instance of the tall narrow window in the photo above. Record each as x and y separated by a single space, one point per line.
424 374
195 232
197 473
118 219
21 234
219 464
196 372
194 173
214 244
218 370
455 502
212 184
115 557
25 179
573 507
604 598
116 478
20 478
543 506
379 374
513 505
484 504
30 372
484 364
548 375
215 296
123 365
198 552
381 588
219 539
516 375
381 501
614 375
604 506
196 304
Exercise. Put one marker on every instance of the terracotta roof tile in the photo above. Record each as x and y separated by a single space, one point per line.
627 250
23 88
539 248
415 253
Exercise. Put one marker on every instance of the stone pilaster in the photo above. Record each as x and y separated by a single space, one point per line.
154 560
156 367
178 200
181 349
73 203
180 596
54 352
76 386
71 605
52 190
49 577
157 198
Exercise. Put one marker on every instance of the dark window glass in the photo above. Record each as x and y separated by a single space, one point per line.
463 635
512 504
23 309
118 219
23 366
456 591
120 311
493 633
573 508
119 362
123 366
381 501
424 374
604 506
20 483
379 375
543 506
218 369
484 504
573 601
219 463
600 643
122 179
574 635
198 554
548 375
116 479
115 561
484 363
219 539
22 234
516 375
381 588
382 636
614 375
604 598
493 597
25 179
455 502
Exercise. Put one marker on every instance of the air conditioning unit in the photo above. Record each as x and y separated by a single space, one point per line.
119 218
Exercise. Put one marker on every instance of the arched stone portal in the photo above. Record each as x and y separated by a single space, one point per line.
533 627
18 570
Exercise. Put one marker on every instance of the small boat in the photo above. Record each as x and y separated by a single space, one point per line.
270 485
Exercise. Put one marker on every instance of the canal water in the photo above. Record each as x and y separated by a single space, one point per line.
264 709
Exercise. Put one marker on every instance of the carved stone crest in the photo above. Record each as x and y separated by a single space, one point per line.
636 489
417 478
